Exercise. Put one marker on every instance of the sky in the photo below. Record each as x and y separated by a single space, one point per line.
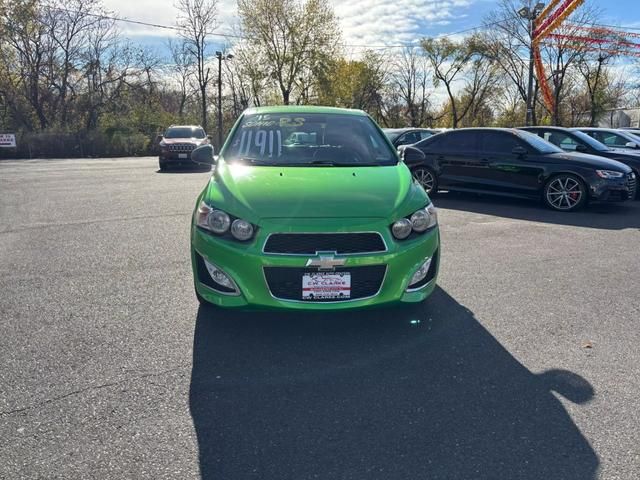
363 22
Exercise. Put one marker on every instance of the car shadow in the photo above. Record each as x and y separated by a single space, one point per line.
406 393
608 216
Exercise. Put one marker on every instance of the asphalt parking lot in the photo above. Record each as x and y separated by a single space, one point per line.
524 364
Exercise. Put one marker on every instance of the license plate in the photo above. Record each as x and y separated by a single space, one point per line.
183 155
326 285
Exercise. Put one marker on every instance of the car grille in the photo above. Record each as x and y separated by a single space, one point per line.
181 147
311 243
631 182
285 283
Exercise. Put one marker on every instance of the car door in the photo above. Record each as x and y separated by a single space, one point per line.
456 154
508 172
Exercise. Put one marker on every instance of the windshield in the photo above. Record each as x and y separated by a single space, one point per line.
538 143
184 132
307 139
592 142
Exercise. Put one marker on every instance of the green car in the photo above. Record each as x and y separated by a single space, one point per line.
311 208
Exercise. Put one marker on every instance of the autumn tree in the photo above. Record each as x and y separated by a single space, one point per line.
295 38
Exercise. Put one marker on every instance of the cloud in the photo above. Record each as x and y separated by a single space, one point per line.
363 22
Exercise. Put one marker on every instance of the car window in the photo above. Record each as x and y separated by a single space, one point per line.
409 138
299 139
424 135
498 142
458 141
560 139
538 142
611 139
184 132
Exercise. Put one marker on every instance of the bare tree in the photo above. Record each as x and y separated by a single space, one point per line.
183 70
410 79
197 20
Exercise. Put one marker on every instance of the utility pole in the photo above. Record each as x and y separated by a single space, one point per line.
530 15
220 58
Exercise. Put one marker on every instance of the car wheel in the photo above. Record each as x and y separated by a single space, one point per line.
163 166
427 178
565 193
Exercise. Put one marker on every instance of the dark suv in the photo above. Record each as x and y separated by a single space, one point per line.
177 143
518 164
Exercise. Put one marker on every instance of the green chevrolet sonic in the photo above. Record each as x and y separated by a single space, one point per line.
311 208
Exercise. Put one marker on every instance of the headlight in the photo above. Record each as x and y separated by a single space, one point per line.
220 222
402 228
241 230
609 174
421 221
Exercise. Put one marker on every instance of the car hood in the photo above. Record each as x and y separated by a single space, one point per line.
594 161
254 192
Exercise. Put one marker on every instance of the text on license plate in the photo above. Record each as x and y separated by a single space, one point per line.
182 155
324 285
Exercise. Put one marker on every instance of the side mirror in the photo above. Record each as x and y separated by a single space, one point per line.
519 150
631 145
581 148
159 138
412 156
203 155
209 137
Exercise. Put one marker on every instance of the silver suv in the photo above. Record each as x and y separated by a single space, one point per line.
177 143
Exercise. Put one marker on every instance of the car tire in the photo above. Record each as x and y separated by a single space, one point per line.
162 166
565 193
427 178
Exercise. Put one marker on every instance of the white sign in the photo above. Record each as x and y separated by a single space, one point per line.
324 285
7 140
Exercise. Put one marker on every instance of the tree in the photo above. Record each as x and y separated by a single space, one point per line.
409 79
353 83
295 38
183 71
449 60
197 20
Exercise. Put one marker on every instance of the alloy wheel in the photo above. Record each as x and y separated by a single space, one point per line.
425 178
564 193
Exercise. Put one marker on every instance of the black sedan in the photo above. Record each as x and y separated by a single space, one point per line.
408 136
572 140
515 163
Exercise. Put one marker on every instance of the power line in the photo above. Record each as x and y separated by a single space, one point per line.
242 37
367 46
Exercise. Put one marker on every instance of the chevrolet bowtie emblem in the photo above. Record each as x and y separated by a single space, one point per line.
326 262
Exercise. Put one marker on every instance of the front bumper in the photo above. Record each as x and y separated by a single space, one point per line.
613 190
245 264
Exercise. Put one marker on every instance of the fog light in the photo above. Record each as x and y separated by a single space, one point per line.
219 277
420 274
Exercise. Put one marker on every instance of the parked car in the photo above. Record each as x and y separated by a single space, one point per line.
613 138
310 208
516 163
634 130
571 140
178 142
408 136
